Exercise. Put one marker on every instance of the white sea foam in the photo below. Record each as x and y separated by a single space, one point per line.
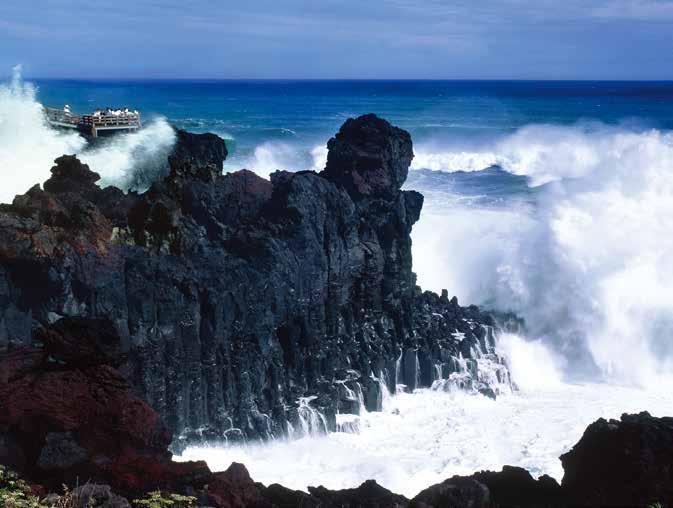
545 153
29 145
423 438
589 266
119 159
533 366
453 160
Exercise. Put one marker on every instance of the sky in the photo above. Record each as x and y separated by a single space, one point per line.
332 39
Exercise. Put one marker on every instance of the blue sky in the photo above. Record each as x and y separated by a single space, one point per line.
426 39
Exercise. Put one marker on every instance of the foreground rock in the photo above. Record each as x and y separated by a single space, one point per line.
245 306
626 462
68 416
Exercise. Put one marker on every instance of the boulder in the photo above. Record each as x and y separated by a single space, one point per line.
625 462
369 157
370 495
456 492
199 149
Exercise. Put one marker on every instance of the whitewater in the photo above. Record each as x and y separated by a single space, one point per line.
566 225
29 145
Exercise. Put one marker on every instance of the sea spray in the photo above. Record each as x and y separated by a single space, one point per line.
133 160
586 265
271 156
29 145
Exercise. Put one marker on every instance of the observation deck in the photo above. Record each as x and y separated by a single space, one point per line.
99 122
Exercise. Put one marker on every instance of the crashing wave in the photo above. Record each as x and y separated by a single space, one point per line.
29 145
587 266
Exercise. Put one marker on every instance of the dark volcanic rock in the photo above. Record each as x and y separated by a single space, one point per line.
515 487
234 488
84 342
627 462
369 157
370 494
456 492
243 305
199 149
63 420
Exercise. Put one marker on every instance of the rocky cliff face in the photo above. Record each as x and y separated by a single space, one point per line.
247 307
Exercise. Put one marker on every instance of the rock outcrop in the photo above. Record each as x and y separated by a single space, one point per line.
626 462
246 306
200 149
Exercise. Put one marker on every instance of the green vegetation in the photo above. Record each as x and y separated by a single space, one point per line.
158 499
15 493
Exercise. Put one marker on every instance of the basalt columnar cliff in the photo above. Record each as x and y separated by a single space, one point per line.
246 307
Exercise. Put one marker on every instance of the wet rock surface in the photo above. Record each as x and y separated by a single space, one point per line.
246 308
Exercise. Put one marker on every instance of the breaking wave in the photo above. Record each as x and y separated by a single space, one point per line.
544 153
29 145
588 265
133 160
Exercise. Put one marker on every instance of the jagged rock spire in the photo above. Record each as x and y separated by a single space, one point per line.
369 157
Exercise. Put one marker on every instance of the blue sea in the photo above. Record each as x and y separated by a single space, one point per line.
294 117
552 200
